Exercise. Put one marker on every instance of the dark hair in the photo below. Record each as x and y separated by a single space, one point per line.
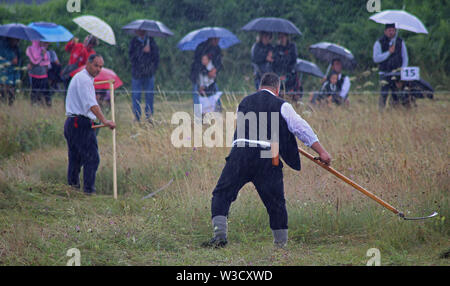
387 26
335 60
270 79
263 33
93 56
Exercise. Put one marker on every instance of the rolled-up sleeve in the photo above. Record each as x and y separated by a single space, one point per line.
297 125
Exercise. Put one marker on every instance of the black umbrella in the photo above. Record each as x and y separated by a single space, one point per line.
325 51
272 25
20 31
309 68
153 28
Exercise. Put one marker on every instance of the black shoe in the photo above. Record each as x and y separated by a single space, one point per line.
215 242
76 186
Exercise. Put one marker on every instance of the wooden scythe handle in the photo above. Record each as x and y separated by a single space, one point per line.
348 181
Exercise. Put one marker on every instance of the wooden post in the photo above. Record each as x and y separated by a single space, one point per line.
113 118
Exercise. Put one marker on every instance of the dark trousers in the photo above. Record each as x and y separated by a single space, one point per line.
7 93
389 85
83 152
40 90
244 164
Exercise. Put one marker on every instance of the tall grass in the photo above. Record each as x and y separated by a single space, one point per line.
400 155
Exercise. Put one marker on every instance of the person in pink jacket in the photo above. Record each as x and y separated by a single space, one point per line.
38 71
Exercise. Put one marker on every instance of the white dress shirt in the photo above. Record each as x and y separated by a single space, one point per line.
296 124
345 86
379 56
81 95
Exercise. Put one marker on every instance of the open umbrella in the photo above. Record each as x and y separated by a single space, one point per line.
326 52
309 68
20 31
272 25
402 20
104 75
96 27
194 38
52 32
153 28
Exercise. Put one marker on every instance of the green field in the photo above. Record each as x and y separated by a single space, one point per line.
402 156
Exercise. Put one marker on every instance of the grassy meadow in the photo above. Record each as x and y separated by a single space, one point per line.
401 156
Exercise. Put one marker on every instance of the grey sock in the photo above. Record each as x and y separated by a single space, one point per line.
220 226
280 237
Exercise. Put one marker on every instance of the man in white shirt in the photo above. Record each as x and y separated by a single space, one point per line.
81 111
390 53
257 119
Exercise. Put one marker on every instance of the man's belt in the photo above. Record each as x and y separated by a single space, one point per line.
79 115
274 147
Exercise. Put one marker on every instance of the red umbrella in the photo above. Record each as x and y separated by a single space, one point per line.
105 74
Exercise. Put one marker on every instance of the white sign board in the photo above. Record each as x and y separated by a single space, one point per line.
410 73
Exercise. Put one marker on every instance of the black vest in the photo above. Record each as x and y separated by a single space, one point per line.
394 60
340 81
265 102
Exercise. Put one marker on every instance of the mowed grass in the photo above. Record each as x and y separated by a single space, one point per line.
401 156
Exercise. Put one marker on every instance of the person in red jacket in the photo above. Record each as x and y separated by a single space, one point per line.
79 53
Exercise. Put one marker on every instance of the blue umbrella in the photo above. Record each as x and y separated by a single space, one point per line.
20 31
52 32
194 38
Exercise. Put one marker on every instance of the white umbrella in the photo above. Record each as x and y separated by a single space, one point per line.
402 20
97 27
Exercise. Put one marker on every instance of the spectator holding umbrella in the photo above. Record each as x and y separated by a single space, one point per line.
89 43
284 60
262 56
38 71
262 50
343 81
390 53
209 48
144 58
207 44
9 61
79 54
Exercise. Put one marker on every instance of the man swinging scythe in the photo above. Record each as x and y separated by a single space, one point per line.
247 162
